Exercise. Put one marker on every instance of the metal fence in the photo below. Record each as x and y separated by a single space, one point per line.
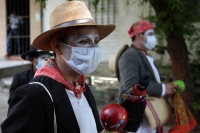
22 11
105 12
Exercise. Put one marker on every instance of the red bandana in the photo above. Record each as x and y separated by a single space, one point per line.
139 27
50 69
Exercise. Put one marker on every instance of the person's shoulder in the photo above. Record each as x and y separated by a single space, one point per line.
47 82
30 89
130 52
23 72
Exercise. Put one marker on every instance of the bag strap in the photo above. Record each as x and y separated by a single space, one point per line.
55 124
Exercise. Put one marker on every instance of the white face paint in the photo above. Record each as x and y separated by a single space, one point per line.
81 52
40 59
150 39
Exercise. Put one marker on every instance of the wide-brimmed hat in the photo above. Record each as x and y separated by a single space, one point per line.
69 14
34 53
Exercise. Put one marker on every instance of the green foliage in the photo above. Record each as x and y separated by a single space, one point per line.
160 49
196 105
42 2
195 69
96 2
177 16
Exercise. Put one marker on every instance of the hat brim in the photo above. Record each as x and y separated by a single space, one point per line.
43 40
34 54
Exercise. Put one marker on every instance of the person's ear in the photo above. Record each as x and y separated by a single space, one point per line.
55 45
138 36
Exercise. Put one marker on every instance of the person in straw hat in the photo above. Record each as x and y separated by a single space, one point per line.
135 62
36 57
57 99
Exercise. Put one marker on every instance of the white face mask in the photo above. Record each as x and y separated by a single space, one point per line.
84 60
150 40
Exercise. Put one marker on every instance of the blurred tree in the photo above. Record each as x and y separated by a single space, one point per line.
175 20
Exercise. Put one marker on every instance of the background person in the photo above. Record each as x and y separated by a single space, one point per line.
135 63
15 22
35 57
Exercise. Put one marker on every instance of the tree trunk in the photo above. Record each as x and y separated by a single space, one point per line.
178 52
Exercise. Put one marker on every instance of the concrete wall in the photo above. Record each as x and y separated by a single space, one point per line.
35 20
3 28
51 4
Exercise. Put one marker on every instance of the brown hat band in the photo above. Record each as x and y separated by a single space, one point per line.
74 22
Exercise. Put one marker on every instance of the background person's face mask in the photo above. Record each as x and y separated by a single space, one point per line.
150 40
39 64
40 59
84 60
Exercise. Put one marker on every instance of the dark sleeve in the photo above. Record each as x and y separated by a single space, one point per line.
25 114
154 89
129 70
16 82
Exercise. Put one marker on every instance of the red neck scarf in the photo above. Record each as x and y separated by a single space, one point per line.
50 69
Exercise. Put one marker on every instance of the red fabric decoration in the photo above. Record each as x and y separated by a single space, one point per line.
136 92
139 27
50 69
185 121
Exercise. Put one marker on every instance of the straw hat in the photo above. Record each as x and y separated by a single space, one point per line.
69 14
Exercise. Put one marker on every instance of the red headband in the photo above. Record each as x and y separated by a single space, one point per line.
139 27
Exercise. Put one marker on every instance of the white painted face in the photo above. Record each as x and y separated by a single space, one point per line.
149 33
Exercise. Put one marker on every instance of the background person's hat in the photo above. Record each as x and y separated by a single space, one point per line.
34 53
69 14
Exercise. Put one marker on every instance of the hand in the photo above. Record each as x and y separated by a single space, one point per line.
170 88
177 87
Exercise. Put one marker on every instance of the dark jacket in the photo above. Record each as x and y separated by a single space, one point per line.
31 109
20 79
133 64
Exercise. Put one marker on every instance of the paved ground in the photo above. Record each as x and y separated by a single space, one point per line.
3 106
